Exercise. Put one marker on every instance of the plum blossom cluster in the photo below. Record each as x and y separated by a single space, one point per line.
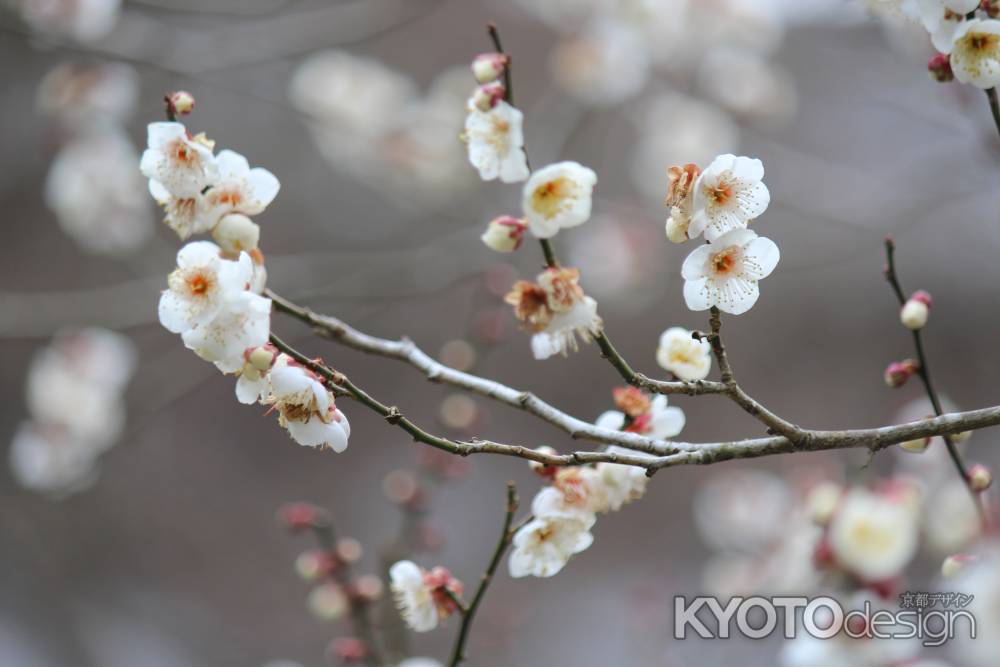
966 34
720 202
556 311
213 297
75 393
92 186
564 512
494 133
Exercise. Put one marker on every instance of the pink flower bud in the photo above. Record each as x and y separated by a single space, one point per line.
487 96
923 297
898 372
939 67
367 589
440 581
980 477
181 103
504 234
488 67
349 550
299 516
347 649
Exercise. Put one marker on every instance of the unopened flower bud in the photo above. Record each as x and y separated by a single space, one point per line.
504 234
181 103
299 516
487 96
367 588
939 67
236 233
918 446
677 226
631 400
953 565
914 314
991 7
347 649
328 602
349 550
898 372
314 564
822 502
980 477
541 468
261 357
488 67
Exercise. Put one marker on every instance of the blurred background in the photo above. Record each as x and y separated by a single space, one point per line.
159 547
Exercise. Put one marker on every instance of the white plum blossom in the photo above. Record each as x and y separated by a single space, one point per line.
243 321
201 285
662 421
742 510
619 483
560 336
975 54
96 193
185 215
495 141
558 196
239 189
943 19
724 273
183 165
543 546
414 598
683 355
306 407
874 535
728 194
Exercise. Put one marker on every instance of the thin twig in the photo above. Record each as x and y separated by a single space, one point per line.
469 613
991 95
923 370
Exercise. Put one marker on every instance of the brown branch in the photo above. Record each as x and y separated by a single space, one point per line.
923 370
469 613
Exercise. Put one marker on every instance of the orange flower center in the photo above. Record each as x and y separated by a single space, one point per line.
982 41
725 261
199 284
721 193
546 197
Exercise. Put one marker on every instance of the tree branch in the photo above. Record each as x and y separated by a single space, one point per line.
469 613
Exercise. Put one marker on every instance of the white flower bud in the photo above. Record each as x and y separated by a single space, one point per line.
487 96
914 314
262 358
504 234
328 602
822 502
677 226
489 66
236 233
980 477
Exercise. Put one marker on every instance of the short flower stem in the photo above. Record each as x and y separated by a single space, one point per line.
469 613
551 261
925 375
507 82
991 95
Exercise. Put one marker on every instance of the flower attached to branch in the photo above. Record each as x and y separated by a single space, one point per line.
680 199
558 196
241 323
543 546
975 54
183 165
488 67
725 272
252 384
898 372
201 285
659 420
556 310
306 408
943 19
504 234
495 141
916 310
421 595
239 189
728 194
683 355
